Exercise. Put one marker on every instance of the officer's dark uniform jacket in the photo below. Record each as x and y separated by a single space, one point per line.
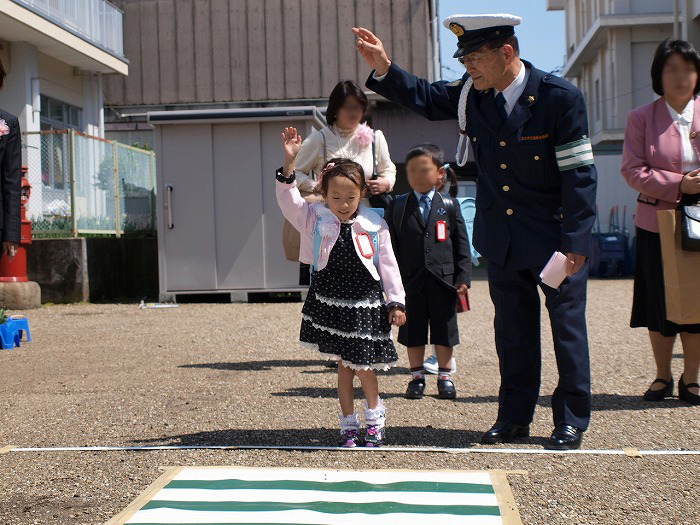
536 179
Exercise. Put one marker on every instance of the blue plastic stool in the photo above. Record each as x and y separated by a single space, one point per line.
11 331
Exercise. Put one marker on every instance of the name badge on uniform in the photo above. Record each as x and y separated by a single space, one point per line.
364 243
441 231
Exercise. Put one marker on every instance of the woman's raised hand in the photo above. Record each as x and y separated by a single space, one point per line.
291 143
372 50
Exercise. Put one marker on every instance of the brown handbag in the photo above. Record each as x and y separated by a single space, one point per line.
291 238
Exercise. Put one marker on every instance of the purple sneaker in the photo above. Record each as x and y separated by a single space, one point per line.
349 439
374 436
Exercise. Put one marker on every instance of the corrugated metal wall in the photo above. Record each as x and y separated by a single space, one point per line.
193 51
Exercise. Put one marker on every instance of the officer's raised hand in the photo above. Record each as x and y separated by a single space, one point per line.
372 50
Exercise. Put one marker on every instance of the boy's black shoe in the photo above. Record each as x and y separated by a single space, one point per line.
446 389
415 389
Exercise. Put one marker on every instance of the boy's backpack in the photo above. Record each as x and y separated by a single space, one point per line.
467 206
374 237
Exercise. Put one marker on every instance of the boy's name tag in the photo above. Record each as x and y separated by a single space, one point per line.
441 231
364 243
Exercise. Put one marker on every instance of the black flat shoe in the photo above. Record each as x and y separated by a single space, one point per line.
446 389
415 389
659 395
565 437
685 395
504 432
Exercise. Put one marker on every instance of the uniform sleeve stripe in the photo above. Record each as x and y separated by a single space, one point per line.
575 162
583 148
573 144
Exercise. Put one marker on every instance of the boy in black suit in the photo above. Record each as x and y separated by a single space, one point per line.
431 245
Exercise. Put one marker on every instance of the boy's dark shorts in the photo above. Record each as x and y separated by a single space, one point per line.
434 306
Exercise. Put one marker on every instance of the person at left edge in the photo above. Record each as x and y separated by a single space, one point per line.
10 179
536 191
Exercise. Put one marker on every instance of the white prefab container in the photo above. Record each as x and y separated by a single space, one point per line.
219 226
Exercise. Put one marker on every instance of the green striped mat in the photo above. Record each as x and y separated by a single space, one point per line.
230 495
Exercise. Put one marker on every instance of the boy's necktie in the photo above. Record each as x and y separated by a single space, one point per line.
426 207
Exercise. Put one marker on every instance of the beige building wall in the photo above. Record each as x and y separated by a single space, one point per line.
208 51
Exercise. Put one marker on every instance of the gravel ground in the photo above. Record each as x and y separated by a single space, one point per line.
233 374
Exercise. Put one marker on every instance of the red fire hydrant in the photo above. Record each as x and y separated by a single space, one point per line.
16 271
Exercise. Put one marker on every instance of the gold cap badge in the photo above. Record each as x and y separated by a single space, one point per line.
456 29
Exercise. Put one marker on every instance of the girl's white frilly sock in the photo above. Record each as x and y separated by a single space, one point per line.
375 416
350 422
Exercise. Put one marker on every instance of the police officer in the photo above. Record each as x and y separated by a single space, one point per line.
536 192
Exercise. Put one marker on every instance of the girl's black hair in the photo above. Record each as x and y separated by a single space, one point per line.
667 48
341 91
342 168
435 153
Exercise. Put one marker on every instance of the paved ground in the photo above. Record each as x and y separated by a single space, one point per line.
232 374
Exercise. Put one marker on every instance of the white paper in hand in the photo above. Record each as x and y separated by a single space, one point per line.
555 271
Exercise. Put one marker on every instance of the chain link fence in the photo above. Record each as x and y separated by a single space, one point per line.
87 185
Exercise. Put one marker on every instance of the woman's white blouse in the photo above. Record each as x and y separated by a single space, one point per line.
310 160
684 121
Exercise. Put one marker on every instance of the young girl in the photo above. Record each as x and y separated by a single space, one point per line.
345 316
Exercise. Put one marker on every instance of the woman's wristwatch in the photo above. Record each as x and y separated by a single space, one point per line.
279 175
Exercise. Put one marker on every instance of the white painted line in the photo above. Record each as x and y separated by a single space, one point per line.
613 452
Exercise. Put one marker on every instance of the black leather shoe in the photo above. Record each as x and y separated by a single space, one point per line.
685 395
415 389
446 389
659 395
504 432
565 437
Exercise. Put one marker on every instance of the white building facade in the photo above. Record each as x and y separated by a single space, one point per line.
610 46
56 54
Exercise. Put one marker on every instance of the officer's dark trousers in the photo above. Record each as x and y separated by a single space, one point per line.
517 323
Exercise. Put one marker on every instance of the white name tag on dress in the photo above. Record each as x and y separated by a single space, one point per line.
364 243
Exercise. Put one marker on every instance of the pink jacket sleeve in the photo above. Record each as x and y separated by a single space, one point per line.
294 208
389 269
657 183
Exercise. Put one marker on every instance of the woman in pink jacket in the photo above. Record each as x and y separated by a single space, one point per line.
345 316
661 161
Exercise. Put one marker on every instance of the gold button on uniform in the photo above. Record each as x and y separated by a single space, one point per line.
693 134
503 143
537 157
509 211
506 188
503 166
473 139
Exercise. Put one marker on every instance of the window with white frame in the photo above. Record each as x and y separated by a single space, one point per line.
56 116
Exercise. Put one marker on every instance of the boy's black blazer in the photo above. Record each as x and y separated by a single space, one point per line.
417 248
10 179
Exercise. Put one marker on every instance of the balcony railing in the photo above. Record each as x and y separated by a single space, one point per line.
97 21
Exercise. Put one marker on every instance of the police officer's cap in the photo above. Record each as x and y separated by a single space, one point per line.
473 31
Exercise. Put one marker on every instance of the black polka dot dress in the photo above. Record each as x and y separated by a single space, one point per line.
345 316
